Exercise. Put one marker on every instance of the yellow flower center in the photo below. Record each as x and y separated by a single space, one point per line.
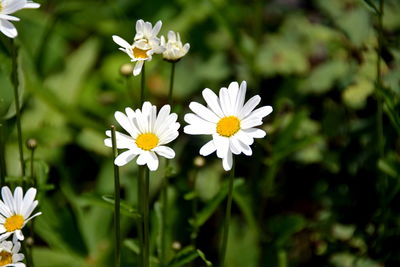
1 6
14 222
140 53
147 141
5 258
228 126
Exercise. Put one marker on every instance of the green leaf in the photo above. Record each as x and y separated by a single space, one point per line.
187 255
126 208
213 204
6 95
372 6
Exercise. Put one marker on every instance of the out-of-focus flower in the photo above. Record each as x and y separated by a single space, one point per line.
9 255
8 7
149 133
229 120
146 43
174 49
15 211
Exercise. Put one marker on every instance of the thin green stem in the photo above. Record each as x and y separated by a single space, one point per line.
225 232
140 208
28 256
146 239
379 86
164 186
3 171
116 202
14 79
171 84
143 84
194 209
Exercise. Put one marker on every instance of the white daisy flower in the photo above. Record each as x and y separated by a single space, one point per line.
174 49
9 255
149 133
15 211
229 120
146 43
8 7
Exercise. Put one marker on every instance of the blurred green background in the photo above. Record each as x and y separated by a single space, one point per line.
322 189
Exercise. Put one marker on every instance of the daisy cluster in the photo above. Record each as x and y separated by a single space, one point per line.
15 213
146 43
227 118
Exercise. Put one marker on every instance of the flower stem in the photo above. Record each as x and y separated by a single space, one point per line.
14 79
164 186
379 86
171 83
143 83
227 216
28 258
140 208
146 239
116 202
3 171
194 209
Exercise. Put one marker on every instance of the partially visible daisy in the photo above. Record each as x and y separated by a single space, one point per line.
9 255
15 211
8 7
145 44
174 49
149 133
229 120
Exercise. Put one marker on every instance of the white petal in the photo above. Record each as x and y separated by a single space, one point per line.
203 112
152 162
165 152
19 235
8 17
11 6
7 197
241 97
244 137
249 123
28 209
222 145
5 210
139 25
200 123
234 145
225 101
28 199
245 149
123 141
124 121
261 112
198 130
168 137
138 67
2 229
121 42
227 162
125 157
233 90
5 236
212 101
18 199
8 28
255 133
249 106
208 148
33 216
156 28
31 4
16 247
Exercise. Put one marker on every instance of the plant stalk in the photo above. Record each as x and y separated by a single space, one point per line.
146 239
3 170
379 87
15 82
117 198
143 84
225 232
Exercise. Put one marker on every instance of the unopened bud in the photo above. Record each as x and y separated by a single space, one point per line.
176 245
31 143
30 241
126 69
199 161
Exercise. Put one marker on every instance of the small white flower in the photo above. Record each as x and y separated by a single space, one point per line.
229 120
149 133
174 49
15 211
146 43
8 7
9 255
